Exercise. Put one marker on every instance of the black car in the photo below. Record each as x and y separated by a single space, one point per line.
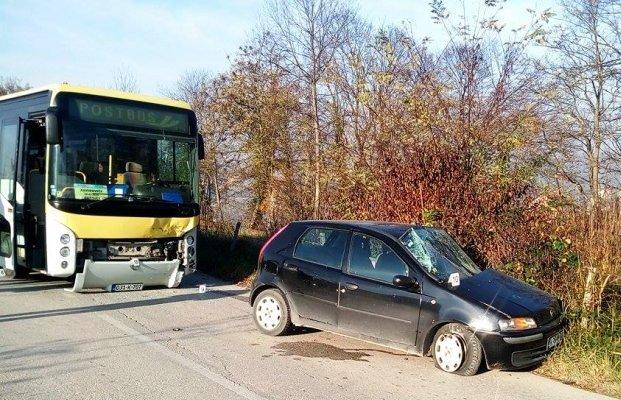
403 286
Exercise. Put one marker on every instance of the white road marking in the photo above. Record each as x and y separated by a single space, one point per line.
194 366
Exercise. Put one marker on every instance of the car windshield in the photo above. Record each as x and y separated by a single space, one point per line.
96 162
438 253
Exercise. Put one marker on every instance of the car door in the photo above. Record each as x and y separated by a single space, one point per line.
369 303
313 273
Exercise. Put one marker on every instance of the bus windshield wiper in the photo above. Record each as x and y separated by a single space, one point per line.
150 198
89 205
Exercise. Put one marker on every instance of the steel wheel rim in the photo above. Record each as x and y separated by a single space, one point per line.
269 313
449 352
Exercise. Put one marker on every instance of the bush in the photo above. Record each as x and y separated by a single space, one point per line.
218 256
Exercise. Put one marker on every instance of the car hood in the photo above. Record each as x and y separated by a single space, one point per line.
507 295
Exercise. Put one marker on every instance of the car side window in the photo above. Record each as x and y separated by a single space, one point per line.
371 258
323 246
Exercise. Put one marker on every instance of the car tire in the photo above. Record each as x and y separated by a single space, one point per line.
456 349
271 313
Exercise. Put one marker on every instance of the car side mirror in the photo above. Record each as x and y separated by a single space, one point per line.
406 282
52 126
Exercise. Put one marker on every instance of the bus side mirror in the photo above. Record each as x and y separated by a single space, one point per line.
52 128
201 146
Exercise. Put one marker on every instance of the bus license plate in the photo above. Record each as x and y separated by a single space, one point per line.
554 340
126 287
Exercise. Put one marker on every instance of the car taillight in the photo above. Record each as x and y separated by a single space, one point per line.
270 240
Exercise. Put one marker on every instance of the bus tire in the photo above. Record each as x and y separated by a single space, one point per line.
18 273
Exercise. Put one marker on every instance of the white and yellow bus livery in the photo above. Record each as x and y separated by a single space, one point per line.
98 185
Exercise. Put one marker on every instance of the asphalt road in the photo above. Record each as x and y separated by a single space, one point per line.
179 344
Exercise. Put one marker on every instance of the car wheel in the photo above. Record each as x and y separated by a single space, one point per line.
457 350
271 313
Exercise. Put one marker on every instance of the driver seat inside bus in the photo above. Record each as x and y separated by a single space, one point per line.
133 174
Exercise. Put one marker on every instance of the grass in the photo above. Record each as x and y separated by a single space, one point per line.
589 357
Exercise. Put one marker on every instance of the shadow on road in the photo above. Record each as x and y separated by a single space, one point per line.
209 295
34 283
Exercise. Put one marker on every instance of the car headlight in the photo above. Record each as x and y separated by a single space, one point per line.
517 324
65 238
482 324
190 240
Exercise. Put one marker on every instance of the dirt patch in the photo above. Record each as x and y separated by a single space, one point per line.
319 350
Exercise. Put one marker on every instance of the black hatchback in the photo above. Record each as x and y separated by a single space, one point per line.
403 286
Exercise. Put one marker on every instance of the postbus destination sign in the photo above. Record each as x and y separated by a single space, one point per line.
128 114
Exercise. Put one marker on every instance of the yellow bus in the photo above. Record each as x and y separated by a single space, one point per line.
99 186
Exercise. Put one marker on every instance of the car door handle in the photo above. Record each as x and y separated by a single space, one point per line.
290 267
350 286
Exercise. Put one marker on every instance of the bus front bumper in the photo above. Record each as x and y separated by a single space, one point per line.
104 274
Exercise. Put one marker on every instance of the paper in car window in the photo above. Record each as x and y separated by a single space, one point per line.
84 191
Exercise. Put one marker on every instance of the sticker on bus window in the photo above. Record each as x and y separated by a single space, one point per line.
174 197
117 190
84 191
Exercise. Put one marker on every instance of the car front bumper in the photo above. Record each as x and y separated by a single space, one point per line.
516 350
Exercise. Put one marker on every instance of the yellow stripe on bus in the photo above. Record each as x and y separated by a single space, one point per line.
107 227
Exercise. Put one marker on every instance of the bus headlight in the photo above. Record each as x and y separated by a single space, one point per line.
188 246
64 251
60 251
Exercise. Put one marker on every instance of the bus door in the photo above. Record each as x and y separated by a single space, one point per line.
6 234
30 207
9 129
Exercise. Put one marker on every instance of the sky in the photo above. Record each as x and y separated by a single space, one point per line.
87 42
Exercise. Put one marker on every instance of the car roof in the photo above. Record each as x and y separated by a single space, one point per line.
393 229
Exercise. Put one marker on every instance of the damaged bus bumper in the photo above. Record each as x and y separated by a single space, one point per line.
106 274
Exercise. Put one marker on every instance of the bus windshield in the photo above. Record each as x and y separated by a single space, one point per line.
95 162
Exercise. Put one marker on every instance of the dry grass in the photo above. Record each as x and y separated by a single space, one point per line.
590 357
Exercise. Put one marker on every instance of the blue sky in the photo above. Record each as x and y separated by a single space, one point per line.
85 42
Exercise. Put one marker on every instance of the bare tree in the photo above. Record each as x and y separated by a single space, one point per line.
10 85
307 34
123 79
585 96
585 105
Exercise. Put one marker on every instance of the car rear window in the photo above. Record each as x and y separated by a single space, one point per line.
323 246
